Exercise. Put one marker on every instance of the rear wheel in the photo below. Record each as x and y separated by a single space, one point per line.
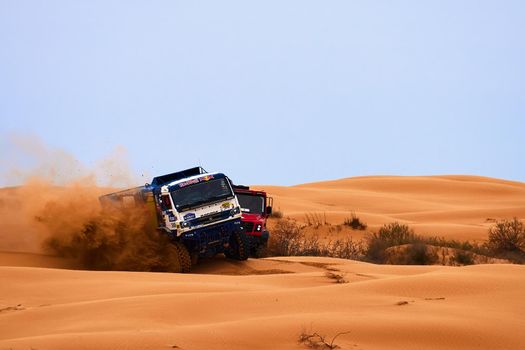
239 248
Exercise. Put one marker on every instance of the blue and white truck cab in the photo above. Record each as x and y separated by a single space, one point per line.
197 202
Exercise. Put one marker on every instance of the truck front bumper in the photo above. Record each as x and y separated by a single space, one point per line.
210 240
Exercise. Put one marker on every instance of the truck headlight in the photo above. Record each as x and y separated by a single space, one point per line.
235 211
258 227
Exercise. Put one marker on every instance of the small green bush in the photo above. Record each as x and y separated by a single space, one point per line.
507 240
462 257
355 223
390 235
420 254
396 234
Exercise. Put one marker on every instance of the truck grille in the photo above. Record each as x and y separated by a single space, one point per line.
248 226
204 220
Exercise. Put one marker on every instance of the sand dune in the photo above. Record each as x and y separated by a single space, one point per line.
265 304
383 307
459 207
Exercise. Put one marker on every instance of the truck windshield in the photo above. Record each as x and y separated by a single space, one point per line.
201 193
251 204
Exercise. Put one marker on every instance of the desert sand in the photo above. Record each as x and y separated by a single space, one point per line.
45 303
265 304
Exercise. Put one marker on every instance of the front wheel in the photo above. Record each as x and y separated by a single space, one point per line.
260 250
184 257
239 246
259 246
179 260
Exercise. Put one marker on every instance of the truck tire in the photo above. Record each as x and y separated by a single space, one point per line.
184 257
260 251
239 248
259 247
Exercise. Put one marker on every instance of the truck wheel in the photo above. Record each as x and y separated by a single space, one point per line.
260 251
259 248
239 248
194 258
178 258
184 257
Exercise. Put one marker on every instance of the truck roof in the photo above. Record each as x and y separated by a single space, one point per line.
179 175
246 190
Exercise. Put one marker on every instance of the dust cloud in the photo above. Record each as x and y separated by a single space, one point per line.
54 209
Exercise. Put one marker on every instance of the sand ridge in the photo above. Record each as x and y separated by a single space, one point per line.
457 207
383 307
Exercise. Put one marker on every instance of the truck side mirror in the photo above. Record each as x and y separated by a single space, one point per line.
268 210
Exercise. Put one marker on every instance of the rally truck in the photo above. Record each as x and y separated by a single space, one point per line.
256 207
198 211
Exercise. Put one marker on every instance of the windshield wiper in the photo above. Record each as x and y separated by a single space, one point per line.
206 201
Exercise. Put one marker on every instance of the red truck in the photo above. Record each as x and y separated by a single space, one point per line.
256 207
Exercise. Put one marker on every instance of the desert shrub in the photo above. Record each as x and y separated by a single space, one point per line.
420 254
286 238
393 243
419 250
462 257
411 254
346 248
355 223
314 340
311 246
507 240
396 234
390 235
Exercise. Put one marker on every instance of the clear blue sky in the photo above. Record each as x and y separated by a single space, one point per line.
270 92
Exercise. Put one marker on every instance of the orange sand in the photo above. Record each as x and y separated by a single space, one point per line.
458 207
265 305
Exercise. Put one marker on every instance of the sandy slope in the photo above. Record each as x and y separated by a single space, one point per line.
476 307
459 207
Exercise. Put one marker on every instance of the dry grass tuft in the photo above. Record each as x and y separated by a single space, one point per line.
315 219
337 277
318 341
